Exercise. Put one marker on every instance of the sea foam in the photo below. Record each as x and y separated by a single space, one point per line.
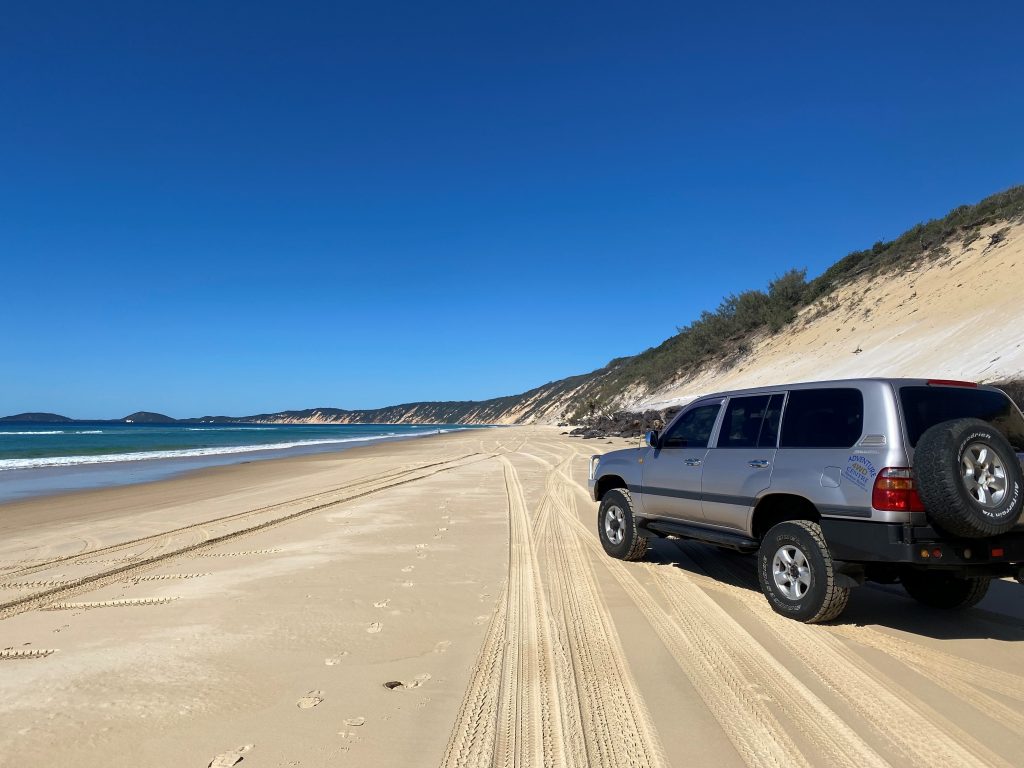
110 458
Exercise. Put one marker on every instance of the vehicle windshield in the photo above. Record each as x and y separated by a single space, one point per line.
924 407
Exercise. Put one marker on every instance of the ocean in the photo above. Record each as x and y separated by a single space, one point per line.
46 458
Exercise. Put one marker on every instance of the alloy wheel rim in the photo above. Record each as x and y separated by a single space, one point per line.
791 571
984 475
614 523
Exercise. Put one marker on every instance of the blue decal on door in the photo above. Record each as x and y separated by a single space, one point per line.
860 471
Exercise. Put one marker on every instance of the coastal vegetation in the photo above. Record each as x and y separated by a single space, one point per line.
721 336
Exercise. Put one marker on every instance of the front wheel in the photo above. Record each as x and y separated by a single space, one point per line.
797 575
940 589
617 528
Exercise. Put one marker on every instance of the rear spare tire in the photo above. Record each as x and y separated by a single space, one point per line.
941 589
969 479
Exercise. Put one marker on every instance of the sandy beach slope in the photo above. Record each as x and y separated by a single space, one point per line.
445 602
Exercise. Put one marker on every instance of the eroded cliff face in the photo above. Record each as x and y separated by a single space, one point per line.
944 300
960 316
544 404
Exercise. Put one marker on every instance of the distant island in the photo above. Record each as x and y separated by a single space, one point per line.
38 418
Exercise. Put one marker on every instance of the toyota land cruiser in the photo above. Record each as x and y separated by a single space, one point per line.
831 484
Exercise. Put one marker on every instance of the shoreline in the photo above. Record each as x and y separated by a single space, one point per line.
408 602
189 485
22 484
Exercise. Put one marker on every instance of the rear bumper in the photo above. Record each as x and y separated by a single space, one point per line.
863 542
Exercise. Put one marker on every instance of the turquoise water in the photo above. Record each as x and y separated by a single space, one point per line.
24 446
48 458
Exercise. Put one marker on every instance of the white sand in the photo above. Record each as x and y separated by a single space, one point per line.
476 590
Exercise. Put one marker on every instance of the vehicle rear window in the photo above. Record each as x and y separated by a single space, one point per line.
823 418
924 407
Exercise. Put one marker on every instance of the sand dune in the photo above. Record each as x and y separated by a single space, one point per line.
956 317
445 602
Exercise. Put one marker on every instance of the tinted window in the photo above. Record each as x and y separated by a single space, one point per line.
742 424
924 407
823 418
770 426
693 429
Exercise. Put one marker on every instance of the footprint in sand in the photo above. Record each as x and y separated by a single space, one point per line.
310 700
416 682
408 569
335 660
231 757
355 722
442 646
407 583
382 603
480 620
374 628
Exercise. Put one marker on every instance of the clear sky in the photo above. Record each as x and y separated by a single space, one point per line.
228 208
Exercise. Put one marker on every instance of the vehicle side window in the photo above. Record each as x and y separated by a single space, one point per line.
693 428
823 418
742 424
770 426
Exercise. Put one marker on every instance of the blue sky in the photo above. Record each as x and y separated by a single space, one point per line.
239 207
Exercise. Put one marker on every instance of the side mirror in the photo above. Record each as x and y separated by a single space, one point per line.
652 438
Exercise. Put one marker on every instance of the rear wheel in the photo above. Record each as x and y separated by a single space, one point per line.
617 528
797 575
940 589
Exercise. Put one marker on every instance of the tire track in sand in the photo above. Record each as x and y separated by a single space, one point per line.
130 567
550 686
965 679
743 713
161 540
919 734
905 723
506 715
610 724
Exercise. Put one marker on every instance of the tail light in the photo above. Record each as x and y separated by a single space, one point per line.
894 491
951 383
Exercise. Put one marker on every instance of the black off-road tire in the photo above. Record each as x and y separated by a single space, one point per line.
633 545
941 589
823 599
940 480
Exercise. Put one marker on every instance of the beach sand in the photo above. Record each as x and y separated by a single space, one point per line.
445 602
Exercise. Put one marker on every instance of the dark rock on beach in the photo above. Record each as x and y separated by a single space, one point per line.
624 424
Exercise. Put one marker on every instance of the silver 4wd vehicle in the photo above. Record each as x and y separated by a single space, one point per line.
832 484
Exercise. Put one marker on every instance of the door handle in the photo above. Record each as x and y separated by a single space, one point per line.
692 462
758 464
